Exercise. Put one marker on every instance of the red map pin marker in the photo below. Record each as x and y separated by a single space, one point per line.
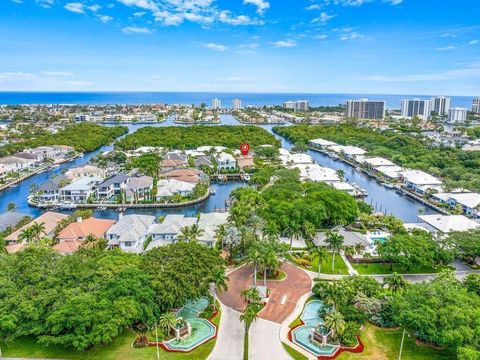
244 148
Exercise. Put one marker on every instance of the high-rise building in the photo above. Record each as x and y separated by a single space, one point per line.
457 115
236 104
416 107
365 109
299 105
216 104
476 106
441 104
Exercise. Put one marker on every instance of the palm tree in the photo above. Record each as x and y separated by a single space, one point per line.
220 234
166 321
332 294
255 258
395 282
184 235
38 229
90 242
270 232
27 235
248 317
336 323
219 280
321 252
269 261
195 233
335 240
11 206
292 231
251 295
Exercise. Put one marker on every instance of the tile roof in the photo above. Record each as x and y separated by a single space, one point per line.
50 220
91 226
67 247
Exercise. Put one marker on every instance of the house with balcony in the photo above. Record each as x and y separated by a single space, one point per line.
129 233
112 186
166 232
80 190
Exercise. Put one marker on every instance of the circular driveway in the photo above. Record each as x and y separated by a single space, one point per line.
283 297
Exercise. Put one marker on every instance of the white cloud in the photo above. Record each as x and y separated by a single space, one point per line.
474 42
94 8
323 18
17 1
139 13
6 77
216 47
226 17
320 37
75 7
136 30
261 5
394 2
234 78
45 3
105 18
57 73
313 7
284 43
446 48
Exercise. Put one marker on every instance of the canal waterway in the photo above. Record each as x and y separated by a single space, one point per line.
383 199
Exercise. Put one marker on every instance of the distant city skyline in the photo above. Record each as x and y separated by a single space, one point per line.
293 46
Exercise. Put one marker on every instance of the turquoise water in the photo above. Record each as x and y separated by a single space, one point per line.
301 335
202 329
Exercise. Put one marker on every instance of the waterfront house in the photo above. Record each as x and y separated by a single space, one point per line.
82 228
389 172
317 173
225 161
189 175
469 202
170 164
171 187
372 163
86 170
50 221
48 192
209 223
416 179
321 144
129 233
203 161
344 186
166 232
13 163
245 161
111 186
137 188
35 159
80 190
10 219
42 152
348 151
61 150
444 224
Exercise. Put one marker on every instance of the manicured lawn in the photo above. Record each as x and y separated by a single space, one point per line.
294 353
340 267
120 349
378 268
385 344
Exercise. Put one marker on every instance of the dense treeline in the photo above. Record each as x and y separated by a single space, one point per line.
174 137
457 167
83 137
90 297
443 312
294 208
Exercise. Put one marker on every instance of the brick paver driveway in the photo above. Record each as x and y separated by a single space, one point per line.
284 294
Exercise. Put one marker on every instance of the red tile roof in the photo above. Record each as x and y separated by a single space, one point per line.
67 247
80 230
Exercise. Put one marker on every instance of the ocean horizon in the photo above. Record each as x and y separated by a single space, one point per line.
171 97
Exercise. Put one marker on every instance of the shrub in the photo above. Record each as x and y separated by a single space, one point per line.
349 336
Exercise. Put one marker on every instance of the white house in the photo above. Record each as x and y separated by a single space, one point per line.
376 162
469 201
12 163
349 151
80 190
171 187
209 224
321 143
130 232
165 233
111 186
226 161
417 179
444 224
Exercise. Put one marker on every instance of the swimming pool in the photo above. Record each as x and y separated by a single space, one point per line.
311 319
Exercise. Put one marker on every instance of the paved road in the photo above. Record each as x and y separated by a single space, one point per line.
229 345
284 294
265 342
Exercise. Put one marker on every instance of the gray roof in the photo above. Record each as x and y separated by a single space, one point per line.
10 219
52 184
175 156
130 228
115 179
25 155
203 161
350 238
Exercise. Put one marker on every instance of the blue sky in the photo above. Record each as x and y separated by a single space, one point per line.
319 46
